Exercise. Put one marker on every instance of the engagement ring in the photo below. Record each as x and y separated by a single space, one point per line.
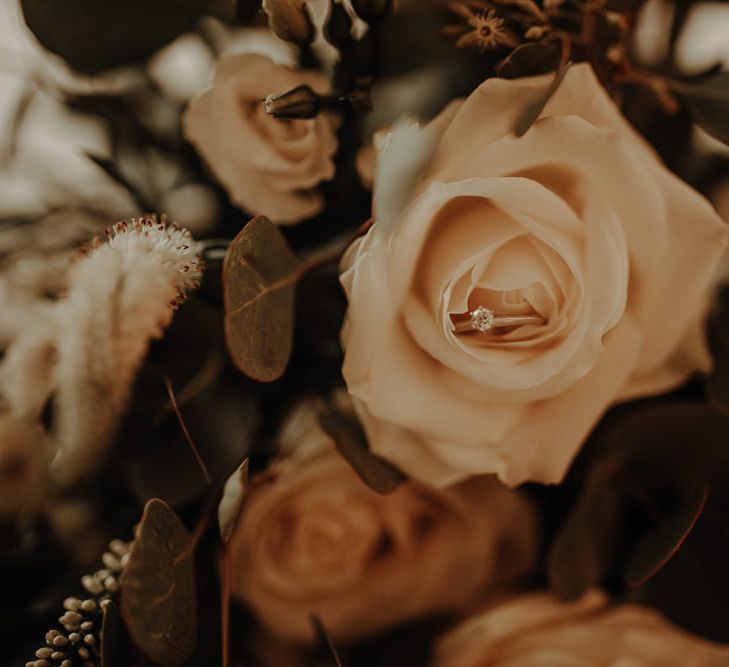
483 319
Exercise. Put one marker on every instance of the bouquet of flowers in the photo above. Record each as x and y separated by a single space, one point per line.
364 332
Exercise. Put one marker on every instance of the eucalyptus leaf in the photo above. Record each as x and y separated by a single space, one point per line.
657 548
259 277
350 440
94 36
582 549
531 113
692 588
158 599
644 493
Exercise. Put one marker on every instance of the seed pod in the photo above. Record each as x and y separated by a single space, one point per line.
290 20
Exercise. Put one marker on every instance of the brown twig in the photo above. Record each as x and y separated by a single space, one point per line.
225 606
196 453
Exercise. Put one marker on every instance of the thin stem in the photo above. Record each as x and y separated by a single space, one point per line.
196 453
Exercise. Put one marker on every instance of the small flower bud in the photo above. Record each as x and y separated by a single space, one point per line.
118 547
71 604
88 605
111 584
299 102
111 561
92 585
290 20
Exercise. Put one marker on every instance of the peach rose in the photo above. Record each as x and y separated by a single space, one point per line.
576 224
317 540
268 165
538 630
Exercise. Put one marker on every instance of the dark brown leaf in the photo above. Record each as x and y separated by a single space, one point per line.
531 113
644 493
95 36
692 588
582 549
158 600
259 277
349 438
657 548
708 101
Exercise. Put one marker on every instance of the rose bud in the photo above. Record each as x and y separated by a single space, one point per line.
299 102
290 20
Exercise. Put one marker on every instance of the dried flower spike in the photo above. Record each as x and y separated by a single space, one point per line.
121 295
78 642
171 246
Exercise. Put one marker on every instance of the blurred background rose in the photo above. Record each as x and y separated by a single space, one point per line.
316 540
538 630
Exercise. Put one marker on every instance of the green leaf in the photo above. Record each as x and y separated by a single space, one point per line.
95 36
531 113
259 277
657 548
158 600
708 102
349 438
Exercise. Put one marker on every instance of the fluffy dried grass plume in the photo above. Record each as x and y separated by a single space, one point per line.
121 295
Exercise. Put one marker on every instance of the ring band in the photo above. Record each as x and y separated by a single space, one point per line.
483 319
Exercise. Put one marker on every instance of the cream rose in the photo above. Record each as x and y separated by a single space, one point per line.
578 223
268 165
317 540
539 631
